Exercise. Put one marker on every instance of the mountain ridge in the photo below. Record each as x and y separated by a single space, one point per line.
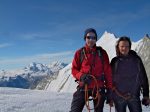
57 76
33 76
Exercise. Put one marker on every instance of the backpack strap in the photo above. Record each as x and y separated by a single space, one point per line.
100 54
83 55
115 63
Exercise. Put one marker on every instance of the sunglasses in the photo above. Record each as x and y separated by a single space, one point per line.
91 37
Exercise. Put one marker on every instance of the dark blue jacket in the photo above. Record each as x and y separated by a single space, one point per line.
129 75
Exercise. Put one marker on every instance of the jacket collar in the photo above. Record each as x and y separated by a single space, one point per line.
93 49
130 54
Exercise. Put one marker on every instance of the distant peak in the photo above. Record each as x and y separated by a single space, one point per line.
106 34
35 64
146 35
57 64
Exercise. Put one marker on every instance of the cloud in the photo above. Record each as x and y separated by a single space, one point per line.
5 45
41 58
31 36
51 36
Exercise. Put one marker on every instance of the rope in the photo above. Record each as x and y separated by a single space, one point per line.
94 97
126 97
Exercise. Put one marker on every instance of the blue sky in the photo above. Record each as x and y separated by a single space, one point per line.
47 30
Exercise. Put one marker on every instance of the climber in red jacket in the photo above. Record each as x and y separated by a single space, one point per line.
91 61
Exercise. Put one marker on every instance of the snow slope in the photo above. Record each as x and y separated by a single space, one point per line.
23 100
64 82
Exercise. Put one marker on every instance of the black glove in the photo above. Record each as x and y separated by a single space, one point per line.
85 78
109 99
146 101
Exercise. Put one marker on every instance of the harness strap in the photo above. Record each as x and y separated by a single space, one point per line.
125 97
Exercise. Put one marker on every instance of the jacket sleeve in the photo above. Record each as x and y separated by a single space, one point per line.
113 65
107 71
144 81
76 65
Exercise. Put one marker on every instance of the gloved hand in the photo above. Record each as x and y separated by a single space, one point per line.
146 101
85 78
109 99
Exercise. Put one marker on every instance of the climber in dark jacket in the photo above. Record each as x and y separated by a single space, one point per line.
129 78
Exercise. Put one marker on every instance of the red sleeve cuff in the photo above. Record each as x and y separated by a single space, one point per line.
78 75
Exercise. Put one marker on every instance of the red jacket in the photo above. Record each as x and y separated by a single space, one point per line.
78 68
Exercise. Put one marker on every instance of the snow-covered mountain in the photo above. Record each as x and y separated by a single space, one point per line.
65 81
108 41
143 49
35 75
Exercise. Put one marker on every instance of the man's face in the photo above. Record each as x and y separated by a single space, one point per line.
124 47
90 39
